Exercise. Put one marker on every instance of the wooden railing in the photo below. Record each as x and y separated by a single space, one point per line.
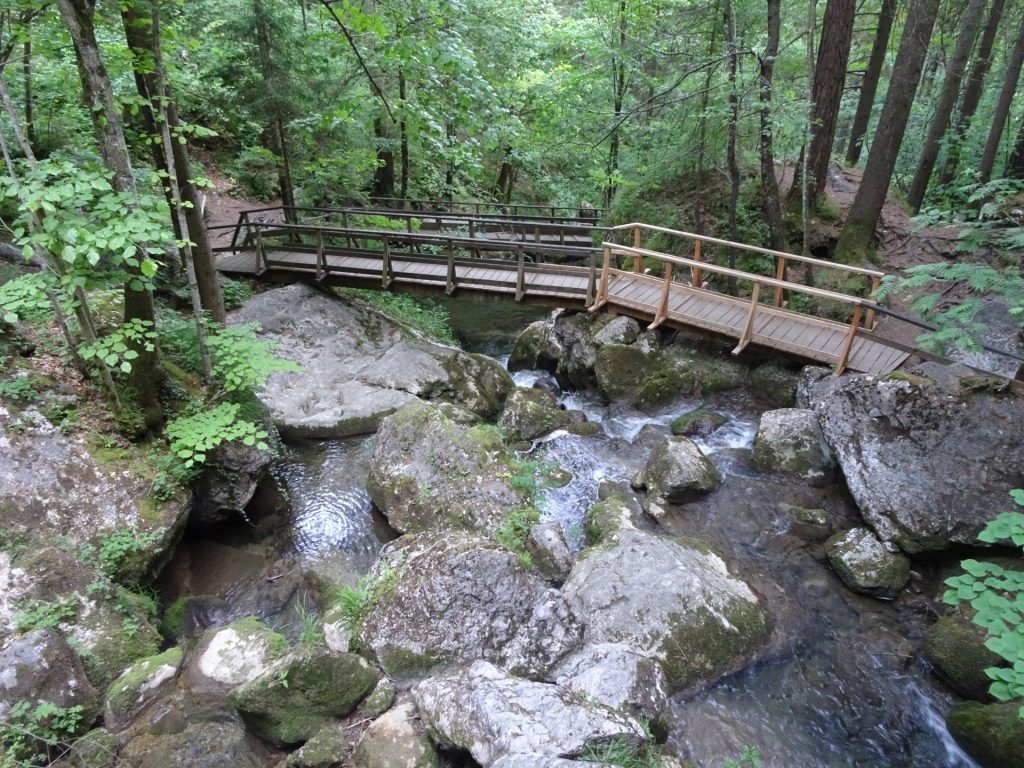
781 258
696 267
477 207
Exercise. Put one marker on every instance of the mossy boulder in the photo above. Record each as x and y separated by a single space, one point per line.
396 740
790 441
190 615
774 385
138 686
956 648
226 657
698 423
549 551
677 472
865 565
329 747
532 413
621 370
213 743
606 518
536 348
294 697
427 471
993 734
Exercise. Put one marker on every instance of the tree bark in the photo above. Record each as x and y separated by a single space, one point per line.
827 93
972 91
702 127
403 139
618 96
995 134
1015 165
769 181
276 137
969 23
732 161
869 84
859 229
146 373
26 74
384 174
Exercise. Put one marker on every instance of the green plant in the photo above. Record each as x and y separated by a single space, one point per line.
235 293
37 733
311 633
422 314
192 437
241 360
355 602
623 752
117 548
39 614
115 350
997 596
513 534
21 389
748 756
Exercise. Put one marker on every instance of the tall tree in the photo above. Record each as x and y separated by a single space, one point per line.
78 15
1015 165
869 83
1002 111
732 161
618 98
859 228
972 91
955 69
769 181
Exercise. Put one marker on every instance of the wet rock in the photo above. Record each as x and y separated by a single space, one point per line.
203 744
138 686
774 385
677 472
329 747
963 452
380 700
531 413
493 715
865 565
228 483
672 600
608 517
993 734
358 365
234 655
790 440
299 693
427 472
189 616
549 551
96 749
536 348
547 383
956 648
455 598
41 667
698 423
807 523
621 330
618 677
396 740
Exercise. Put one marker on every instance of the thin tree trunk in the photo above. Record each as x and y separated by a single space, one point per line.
618 95
731 159
859 229
506 176
276 137
972 91
1015 165
146 373
827 92
384 174
26 73
969 23
702 126
769 182
802 172
403 139
869 85
1013 67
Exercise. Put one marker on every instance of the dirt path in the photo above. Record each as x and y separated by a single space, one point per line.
223 204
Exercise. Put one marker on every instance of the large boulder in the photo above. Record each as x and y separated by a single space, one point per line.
358 365
396 740
790 440
428 472
297 695
993 734
865 565
671 600
138 686
956 648
549 551
455 598
532 413
492 715
40 668
618 677
228 483
200 744
677 472
226 657
927 466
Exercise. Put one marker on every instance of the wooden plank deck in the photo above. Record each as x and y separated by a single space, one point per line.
804 336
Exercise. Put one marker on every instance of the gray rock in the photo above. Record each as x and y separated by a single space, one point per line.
138 686
927 468
328 748
380 699
677 472
428 472
549 550
41 667
621 330
493 715
532 413
228 483
672 600
358 365
865 565
230 656
618 677
790 440
608 517
396 740
456 598
202 744
536 348
541 761
956 648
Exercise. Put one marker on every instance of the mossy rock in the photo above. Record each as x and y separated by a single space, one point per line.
956 648
774 385
699 423
586 429
621 370
531 413
138 685
993 734
605 518
179 620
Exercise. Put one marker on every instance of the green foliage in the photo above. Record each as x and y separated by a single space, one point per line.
21 389
117 548
235 293
37 733
425 315
622 752
255 172
24 297
310 633
996 594
39 614
119 347
749 756
513 533
241 360
355 602
191 438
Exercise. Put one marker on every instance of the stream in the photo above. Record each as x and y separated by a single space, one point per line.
841 683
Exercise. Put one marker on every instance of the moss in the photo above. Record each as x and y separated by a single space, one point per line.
956 648
993 734
277 644
124 691
175 618
621 370
697 422
401 663
605 518
585 429
918 381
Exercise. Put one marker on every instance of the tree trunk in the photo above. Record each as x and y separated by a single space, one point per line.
26 73
403 139
827 92
275 135
869 85
618 96
972 91
859 229
1013 67
384 174
732 161
702 127
146 373
969 23
769 182
1015 165
506 176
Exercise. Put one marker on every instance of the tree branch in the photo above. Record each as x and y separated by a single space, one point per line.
352 44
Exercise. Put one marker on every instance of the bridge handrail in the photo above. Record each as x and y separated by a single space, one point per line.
478 204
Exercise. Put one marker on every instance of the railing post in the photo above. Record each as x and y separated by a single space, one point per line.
592 280
748 328
638 260
602 291
780 274
520 274
536 233
662 313
450 282
344 223
696 278
243 219
321 259
869 320
385 267
261 252
848 345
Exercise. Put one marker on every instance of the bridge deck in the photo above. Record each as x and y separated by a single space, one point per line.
639 295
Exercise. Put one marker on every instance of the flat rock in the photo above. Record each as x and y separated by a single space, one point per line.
396 740
229 656
865 565
790 441
618 677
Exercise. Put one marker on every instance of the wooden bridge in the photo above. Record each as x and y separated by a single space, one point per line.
569 261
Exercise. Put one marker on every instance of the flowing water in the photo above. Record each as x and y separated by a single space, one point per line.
841 683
